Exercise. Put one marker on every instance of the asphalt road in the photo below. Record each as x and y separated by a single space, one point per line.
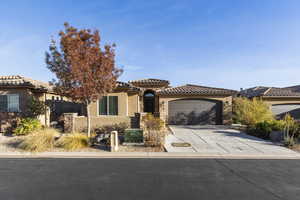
172 179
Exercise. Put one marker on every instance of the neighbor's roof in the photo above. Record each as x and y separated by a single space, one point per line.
295 88
262 91
191 90
20 81
149 81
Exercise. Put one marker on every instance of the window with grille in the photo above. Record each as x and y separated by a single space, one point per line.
10 103
108 105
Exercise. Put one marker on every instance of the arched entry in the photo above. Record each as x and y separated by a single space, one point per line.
149 101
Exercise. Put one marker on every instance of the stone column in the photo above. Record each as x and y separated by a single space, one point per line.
69 122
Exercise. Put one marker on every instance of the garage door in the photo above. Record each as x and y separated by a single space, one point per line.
281 110
194 111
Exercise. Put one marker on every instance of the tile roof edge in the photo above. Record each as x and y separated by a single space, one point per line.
265 92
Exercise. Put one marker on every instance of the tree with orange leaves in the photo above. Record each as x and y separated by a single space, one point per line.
84 71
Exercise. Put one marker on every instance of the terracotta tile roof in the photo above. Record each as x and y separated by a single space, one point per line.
195 90
262 91
295 88
20 81
123 85
149 81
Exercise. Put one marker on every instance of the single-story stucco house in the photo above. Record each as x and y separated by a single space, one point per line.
187 104
281 100
15 93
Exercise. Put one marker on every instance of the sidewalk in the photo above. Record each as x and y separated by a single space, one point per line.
142 155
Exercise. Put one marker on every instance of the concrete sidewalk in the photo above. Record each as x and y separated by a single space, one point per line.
145 155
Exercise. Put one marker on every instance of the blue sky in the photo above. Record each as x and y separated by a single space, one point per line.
220 43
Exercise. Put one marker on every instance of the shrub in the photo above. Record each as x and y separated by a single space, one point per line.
38 141
35 107
277 125
133 135
27 126
152 123
289 142
251 112
107 129
73 141
154 133
263 129
291 131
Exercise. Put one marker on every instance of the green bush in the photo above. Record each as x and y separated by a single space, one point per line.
133 135
277 125
27 126
35 107
73 141
39 141
251 112
263 129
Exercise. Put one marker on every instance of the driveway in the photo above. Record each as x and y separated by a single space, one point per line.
221 140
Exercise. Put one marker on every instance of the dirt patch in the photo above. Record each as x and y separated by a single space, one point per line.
296 147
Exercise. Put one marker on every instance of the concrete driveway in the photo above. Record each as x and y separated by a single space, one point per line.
221 140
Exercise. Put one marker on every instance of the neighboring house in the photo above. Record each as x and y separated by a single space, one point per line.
15 93
188 104
281 100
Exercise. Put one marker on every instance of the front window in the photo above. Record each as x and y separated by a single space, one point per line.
9 103
108 105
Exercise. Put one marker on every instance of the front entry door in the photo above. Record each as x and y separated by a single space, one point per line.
149 102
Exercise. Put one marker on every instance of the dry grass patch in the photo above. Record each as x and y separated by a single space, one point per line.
39 141
73 141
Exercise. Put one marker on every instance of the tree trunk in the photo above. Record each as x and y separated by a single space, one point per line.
88 120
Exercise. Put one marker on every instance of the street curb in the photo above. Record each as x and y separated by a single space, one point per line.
152 155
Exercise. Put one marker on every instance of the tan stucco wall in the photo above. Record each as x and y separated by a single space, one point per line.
226 104
127 104
133 104
122 104
80 123
274 101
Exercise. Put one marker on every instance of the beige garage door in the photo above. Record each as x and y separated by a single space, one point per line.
194 111
281 110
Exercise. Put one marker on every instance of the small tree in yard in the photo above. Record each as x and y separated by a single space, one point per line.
251 112
84 71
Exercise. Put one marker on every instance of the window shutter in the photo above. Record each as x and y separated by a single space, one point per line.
103 106
3 103
113 105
